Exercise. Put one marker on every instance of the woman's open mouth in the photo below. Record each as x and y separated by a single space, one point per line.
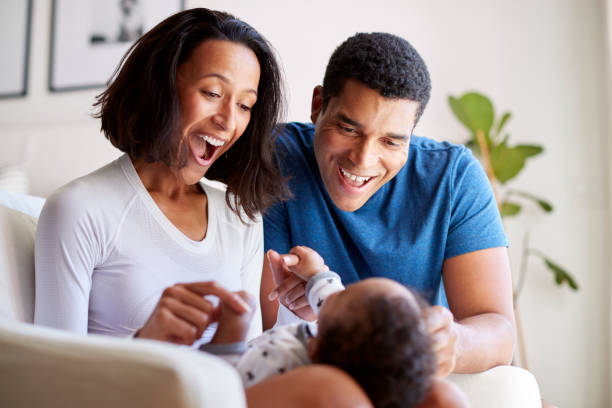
205 147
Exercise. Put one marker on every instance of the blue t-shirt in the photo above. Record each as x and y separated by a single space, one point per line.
439 205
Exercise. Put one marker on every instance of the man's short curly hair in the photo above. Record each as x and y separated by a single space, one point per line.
381 61
385 348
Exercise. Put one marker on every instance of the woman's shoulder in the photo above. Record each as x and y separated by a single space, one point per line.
100 190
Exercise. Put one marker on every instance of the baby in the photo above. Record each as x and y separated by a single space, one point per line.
373 330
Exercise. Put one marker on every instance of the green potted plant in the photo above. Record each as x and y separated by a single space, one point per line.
502 163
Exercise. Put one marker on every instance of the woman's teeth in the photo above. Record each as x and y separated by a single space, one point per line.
212 141
353 177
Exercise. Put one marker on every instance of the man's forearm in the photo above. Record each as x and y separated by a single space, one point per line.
484 341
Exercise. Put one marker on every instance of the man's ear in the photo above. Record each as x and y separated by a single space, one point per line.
317 103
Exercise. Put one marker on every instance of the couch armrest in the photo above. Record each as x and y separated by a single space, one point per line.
46 367
500 387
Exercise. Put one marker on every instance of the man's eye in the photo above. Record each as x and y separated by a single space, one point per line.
392 144
346 129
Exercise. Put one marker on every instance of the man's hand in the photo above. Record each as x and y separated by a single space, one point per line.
443 332
182 313
233 325
290 289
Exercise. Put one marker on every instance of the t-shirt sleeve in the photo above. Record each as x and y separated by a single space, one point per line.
66 252
475 222
250 274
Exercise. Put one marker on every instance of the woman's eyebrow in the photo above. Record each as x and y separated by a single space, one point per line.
224 79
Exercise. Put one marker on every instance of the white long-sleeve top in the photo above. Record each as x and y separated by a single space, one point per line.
105 252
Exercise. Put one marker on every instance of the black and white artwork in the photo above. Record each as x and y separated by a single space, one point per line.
89 37
15 22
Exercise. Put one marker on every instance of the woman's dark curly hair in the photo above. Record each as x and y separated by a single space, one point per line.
384 348
381 61
140 112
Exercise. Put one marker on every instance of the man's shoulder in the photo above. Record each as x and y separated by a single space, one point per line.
294 136
432 154
428 145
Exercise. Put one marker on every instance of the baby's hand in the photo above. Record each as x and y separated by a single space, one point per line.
310 263
233 326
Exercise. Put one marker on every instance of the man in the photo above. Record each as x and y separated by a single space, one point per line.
374 200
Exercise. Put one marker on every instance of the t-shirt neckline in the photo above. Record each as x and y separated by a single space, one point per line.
130 172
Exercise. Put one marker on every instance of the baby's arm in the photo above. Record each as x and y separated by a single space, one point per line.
228 341
321 282
307 265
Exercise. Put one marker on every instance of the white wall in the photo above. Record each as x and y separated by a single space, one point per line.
609 70
544 60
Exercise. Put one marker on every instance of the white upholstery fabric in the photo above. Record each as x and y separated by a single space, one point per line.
17 233
13 177
42 367
500 387
29 204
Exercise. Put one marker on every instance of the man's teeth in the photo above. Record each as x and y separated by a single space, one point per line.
212 141
353 177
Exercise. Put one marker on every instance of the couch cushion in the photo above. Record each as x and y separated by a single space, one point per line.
40 366
17 234
28 204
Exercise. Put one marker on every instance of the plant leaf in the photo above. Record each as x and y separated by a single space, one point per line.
474 110
544 205
561 275
508 209
502 122
530 150
507 162
457 108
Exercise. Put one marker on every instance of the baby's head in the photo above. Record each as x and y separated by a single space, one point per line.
374 331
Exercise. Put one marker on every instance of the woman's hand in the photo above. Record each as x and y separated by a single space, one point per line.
443 332
182 314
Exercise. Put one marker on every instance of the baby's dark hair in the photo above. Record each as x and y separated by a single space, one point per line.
381 61
385 349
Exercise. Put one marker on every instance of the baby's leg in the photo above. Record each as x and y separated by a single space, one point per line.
444 393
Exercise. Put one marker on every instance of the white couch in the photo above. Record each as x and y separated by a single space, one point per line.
45 367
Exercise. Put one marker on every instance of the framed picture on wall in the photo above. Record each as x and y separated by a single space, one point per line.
89 37
15 22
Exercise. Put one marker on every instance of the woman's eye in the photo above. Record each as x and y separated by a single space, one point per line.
210 94
245 108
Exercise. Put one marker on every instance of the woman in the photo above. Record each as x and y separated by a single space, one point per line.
196 96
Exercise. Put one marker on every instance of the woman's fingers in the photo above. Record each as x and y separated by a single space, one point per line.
213 288
188 297
183 313
196 318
